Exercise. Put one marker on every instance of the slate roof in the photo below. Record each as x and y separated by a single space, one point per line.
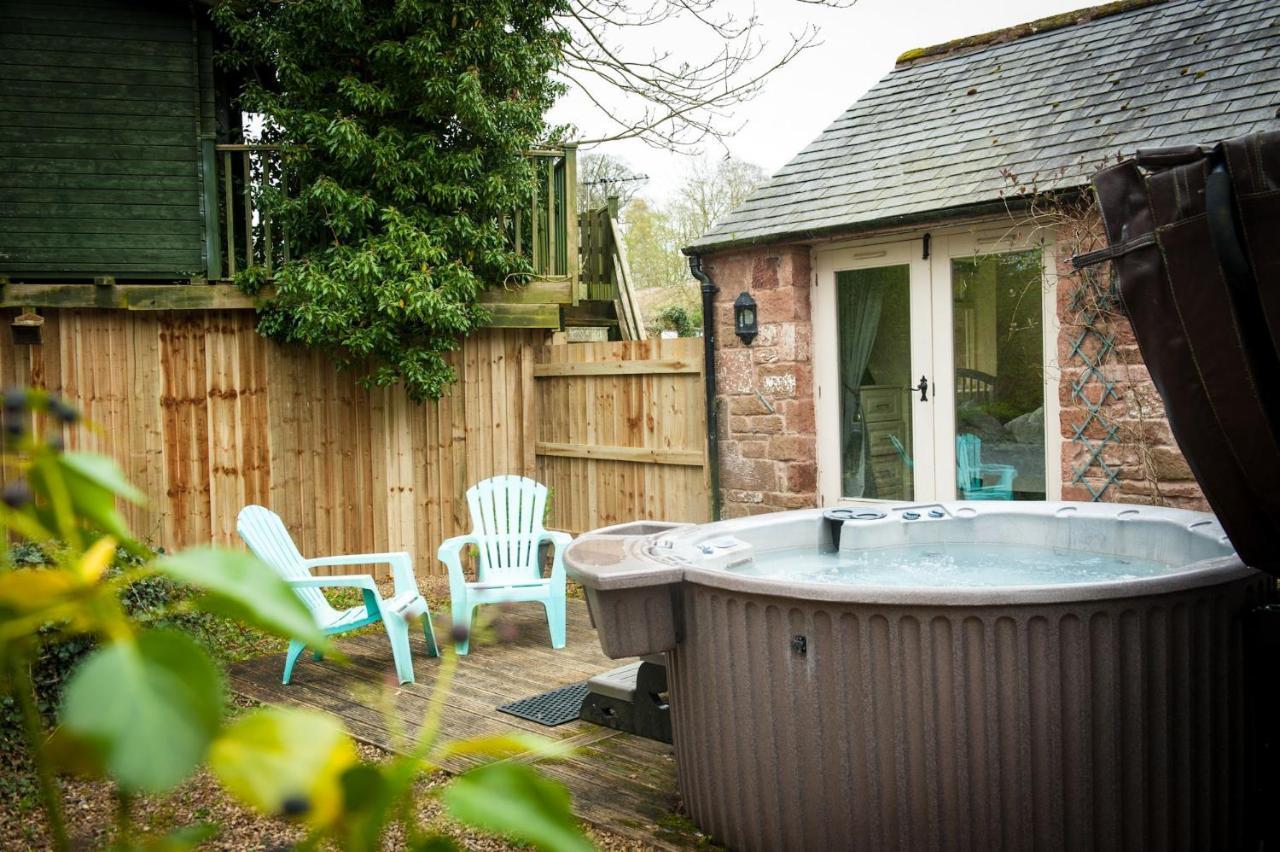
934 135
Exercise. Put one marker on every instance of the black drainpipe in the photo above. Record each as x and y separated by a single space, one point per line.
709 291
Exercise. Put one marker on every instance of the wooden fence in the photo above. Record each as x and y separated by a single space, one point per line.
205 416
621 432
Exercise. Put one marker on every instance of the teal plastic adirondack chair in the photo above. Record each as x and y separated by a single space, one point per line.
265 534
902 451
978 481
506 520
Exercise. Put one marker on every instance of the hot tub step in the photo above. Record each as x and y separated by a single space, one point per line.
631 698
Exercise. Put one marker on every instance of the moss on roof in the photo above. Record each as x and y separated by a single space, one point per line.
1053 22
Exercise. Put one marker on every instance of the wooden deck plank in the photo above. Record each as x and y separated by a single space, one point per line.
620 783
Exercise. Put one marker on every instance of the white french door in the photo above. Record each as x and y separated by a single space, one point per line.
934 370
873 359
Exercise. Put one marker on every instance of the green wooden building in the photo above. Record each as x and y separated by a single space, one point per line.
106 107
125 177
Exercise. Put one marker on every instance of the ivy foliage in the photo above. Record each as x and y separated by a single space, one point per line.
404 127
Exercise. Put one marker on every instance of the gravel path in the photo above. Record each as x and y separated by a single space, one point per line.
90 812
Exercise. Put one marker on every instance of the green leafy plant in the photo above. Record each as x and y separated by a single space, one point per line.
145 706
677 318
404 130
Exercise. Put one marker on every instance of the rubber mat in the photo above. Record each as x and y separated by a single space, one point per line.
550 708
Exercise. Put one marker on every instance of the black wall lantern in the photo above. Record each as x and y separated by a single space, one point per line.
745 321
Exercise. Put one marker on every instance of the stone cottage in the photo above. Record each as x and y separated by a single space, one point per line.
922 334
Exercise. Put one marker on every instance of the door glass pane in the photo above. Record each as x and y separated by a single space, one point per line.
874 319
999 376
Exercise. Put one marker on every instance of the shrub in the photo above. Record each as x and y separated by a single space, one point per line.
405 128
145 600
679 319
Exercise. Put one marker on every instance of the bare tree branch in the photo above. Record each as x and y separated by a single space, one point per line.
601 176
668 101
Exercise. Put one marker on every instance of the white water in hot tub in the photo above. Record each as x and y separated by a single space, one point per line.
952 564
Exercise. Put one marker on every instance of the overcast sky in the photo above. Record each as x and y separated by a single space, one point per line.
859 46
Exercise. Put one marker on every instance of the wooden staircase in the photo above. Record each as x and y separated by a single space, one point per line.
606 291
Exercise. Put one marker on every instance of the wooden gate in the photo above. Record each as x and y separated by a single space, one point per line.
621 432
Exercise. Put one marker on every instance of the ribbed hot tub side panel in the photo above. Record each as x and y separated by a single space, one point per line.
1105 725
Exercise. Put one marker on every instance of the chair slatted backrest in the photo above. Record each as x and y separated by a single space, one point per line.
968 461
265 534
506 515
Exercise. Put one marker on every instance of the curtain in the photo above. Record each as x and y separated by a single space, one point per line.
859 297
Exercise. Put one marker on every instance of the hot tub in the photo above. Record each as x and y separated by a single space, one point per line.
958 675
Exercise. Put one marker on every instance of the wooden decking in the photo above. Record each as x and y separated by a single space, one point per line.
620 783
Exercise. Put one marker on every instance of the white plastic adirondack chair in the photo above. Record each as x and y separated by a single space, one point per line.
506 519
265 534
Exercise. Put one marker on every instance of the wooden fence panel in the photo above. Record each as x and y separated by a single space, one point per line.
206 416
621 432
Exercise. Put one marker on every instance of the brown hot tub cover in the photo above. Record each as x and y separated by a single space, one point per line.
1195 238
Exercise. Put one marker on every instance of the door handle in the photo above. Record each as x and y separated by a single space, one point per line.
923 387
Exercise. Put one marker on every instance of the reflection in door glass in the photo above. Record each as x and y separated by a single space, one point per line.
874 319
999 376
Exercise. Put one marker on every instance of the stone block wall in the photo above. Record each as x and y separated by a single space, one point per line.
765 390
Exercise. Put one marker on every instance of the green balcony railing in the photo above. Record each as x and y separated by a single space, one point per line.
242 234
545 229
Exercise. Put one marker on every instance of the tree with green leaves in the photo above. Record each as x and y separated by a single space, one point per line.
655 233
653 245
404 127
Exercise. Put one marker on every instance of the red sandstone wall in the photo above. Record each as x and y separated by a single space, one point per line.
1149 466
765 390
766 412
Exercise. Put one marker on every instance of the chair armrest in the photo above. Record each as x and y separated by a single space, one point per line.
450 553
560 537
452 547
364 582
560 540
338 581
356 559
1004 473
401 566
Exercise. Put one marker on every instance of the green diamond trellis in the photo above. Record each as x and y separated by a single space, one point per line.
1091 349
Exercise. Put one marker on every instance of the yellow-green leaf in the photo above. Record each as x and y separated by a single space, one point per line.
241 586
149 706
96 560
513 800
285 761
103 471
33 589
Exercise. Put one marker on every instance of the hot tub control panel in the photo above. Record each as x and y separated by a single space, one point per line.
725 551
